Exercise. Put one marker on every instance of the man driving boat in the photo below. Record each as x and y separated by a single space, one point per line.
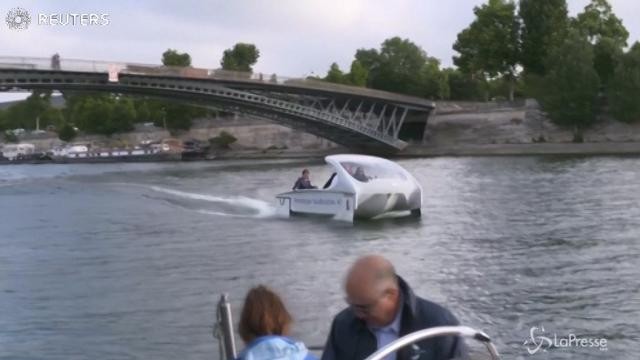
304 182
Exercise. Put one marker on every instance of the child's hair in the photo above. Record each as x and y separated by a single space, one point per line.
263 314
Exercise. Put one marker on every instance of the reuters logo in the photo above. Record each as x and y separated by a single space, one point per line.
18 19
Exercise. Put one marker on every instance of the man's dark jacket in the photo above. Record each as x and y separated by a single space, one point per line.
351 339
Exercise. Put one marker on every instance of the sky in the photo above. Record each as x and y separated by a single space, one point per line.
295 37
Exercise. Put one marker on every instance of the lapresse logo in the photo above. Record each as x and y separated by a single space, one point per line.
20 19
539 342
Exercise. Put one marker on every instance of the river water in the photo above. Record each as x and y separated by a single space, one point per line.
126 261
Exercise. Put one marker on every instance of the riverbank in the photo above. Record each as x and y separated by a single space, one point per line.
455 129
416 151
604 148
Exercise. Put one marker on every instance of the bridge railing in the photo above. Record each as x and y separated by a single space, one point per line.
78 65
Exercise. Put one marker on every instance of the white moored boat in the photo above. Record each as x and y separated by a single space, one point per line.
360 187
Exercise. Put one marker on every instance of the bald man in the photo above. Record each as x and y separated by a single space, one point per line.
382 308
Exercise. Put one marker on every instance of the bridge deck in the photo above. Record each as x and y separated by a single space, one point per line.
357 117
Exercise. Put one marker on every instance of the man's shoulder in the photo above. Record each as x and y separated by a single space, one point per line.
345 323
344 317
431 314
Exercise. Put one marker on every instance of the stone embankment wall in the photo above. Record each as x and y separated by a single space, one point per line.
453 127
251 135
468 123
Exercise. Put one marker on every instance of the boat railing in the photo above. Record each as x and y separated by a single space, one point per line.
410 339
223 332
223 329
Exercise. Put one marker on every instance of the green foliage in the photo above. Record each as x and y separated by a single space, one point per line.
123 115
369 59
10 137
240 58
544 23
570 87
143 112
497 88
67 133
399 66
3 119
490 45
24 114
624 89
179 117
335 75
606 32
433 82
174 116
606 54
102 114
464 86
358 75
598 21
51 116
172 57
223 140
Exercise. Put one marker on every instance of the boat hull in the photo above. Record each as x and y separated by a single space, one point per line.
361 186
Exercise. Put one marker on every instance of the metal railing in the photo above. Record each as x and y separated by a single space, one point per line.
189 72
223 329
420 335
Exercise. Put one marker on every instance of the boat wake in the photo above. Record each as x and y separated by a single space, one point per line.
238 205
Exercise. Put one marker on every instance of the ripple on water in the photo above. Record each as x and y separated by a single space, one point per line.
127 261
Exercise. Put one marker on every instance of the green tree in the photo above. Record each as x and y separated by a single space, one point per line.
370 61
335 75
123 115
399 66
143 112
10 137
570 87
93 114
174 115
359 74
544 23
24 113
223 140
172 57
624 89
67 133
606 54
464 86
606 32
433 81
490 44
103 114
179 117
240 58
3 120
52 116
598 21
444 89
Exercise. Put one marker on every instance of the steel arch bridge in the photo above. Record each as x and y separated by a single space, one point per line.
357 118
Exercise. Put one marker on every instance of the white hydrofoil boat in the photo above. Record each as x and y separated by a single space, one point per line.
360 187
